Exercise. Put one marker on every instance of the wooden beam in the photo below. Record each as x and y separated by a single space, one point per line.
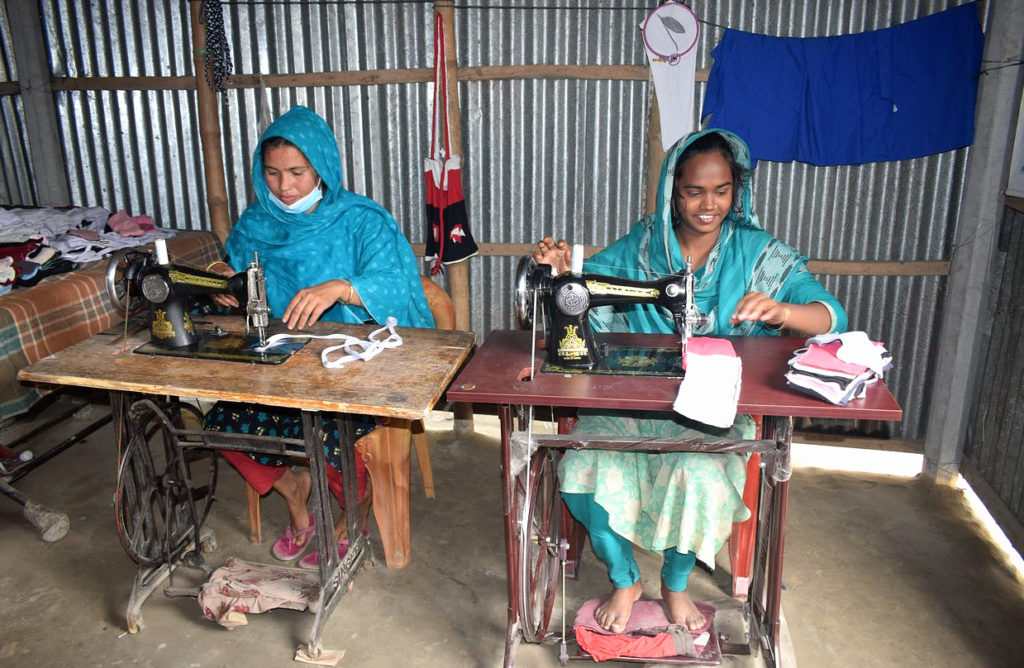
10 88
823 267
360 77
209 133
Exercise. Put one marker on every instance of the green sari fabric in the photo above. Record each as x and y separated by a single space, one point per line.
684 500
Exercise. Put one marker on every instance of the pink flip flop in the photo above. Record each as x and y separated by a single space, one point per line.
312 560
285 548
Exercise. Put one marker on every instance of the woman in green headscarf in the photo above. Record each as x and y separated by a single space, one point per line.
328 254
747 283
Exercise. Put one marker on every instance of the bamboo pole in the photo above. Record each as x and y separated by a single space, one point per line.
458 273
209 133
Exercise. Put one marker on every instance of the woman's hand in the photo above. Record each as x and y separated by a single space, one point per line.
223 299
558 255
760 307
809 319
309 304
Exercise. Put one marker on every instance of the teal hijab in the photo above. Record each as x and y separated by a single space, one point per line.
745 258
347 236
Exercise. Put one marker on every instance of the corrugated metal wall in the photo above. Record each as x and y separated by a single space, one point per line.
16 184
993 459
564 156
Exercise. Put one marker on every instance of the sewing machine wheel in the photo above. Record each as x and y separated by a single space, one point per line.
117 285
524 292
539 558
162 497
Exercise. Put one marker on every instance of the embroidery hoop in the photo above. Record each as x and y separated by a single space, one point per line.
658 36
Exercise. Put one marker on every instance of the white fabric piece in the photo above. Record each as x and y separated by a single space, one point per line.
857 348
710 389
354 347
674 82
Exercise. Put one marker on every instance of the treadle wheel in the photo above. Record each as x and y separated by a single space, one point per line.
155 499
538 544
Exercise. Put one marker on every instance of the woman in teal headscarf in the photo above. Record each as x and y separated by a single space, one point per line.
328 254
747 283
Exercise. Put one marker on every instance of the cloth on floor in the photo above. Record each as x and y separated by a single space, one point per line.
710 389
239 588
648 633
838 367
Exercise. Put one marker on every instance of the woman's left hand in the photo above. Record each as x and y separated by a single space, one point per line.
762 308
309 304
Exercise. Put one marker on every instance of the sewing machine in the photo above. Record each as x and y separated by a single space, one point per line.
136 278
567 298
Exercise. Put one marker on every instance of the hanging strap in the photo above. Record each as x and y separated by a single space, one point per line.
439 122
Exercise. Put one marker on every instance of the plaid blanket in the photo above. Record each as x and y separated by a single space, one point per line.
65 309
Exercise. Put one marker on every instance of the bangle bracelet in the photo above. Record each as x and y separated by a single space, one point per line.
347 300
214 263
782 324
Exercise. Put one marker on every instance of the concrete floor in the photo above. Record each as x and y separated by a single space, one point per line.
880 571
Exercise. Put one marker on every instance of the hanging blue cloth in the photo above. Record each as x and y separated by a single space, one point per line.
347 237
893 94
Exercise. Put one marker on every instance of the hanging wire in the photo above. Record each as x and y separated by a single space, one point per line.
217 54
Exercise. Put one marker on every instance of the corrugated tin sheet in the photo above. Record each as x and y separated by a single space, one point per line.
563 156
993 449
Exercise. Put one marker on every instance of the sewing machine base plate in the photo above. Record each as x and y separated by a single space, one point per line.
228 347
629 361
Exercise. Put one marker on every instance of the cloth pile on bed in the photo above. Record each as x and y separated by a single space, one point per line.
35 243
838 367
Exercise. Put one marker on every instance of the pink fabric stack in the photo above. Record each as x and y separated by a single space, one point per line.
838 367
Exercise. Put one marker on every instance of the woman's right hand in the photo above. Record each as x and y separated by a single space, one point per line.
223 299
557 254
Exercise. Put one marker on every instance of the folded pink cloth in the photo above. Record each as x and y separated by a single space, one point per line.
824 357
648 634
124 225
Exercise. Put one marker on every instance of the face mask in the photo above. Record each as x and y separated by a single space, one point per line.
300 205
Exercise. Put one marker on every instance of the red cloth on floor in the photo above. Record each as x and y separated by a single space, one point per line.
645 637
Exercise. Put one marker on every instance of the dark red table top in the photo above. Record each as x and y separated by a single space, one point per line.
498 373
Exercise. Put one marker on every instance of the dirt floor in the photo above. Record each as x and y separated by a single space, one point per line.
880 570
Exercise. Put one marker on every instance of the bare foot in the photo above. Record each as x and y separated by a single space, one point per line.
613 614
681 609
295 486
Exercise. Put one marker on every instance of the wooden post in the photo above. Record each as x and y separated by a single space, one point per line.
655 153
458 273
209 132
41 126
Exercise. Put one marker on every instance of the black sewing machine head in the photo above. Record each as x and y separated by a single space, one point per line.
136 278
566 300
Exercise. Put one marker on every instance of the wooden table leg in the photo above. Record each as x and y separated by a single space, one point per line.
385 450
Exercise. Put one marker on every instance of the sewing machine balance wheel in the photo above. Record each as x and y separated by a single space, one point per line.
524 291
120 267
541 545
164 489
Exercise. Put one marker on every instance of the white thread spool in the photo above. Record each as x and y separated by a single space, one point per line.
161 252
577 258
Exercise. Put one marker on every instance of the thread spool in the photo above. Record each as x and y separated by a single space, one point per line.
577 258
161 252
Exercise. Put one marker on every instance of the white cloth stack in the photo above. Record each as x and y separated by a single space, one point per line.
711 386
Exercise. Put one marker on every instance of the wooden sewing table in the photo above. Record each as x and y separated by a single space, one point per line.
540 535
399 385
